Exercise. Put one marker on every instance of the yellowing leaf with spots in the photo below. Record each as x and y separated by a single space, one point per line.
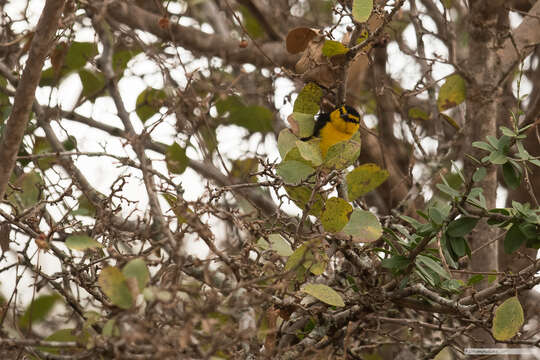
363 226
335 215
508 319
363 179
324 293
452 93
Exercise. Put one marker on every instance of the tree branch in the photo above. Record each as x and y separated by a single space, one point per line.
24 97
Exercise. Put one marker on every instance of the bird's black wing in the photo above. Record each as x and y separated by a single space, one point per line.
322 119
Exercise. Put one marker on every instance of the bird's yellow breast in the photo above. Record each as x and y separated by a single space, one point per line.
332 134
341 126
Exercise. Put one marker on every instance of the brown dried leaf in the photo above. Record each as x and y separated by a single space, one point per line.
298 39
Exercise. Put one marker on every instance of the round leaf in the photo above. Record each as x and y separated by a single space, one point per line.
38 310
310 151
176 159
324 293
294 172
343 153
276 243
137 269
149 102
305 124
308 99
92 82
335 215
254 118
333 48
286 141
452 92
113 283
82 242
298 39
363 179
513 239
301 195
361 10
363 226
508 319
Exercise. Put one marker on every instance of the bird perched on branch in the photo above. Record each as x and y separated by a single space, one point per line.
338 125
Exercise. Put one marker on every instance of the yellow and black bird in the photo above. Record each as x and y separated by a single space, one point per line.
338 125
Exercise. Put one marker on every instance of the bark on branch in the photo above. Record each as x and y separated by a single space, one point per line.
24 97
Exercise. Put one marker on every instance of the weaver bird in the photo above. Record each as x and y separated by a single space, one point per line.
338 125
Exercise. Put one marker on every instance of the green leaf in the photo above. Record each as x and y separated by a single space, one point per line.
173 203
448 252
85 207
433 266
301 195
305 122
113 283
436 216
506 131
82 242
65 335
229 104
286 141
335 215
38 310
475 279
310 151
324 293
461 226
416 113
121 58
396 263
176 159
513 239
479 174
497 158
511 176
307 101
333 48
254 118
79 53
448 190
110 328
459 245
137 269
92 82
361 10
508 319
363 179
482 145
452 93
30 183
294 172
42 146
149 102
452 285
344 153
363 226
448 5
254 29
296 258
277 243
